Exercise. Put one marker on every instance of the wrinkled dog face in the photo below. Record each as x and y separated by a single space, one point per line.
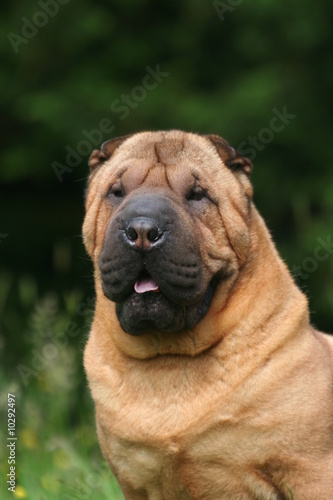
151 262
166 246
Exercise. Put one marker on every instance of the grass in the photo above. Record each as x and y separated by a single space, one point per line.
57 453
54 459
291 494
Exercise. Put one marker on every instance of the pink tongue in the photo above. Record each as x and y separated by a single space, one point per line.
143 285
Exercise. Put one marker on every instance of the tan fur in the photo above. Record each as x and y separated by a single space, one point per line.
240 407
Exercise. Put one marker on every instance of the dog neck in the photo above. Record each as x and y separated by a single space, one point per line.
262 298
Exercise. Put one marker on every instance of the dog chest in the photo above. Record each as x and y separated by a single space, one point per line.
208 462
172 471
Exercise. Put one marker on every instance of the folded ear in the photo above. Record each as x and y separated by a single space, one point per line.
230 156
98 157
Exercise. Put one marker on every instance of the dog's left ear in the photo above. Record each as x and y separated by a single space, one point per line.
98 157
230 156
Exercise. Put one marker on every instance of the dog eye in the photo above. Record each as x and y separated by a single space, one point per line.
116 191
196 194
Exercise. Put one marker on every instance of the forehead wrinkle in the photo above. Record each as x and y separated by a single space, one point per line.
188 156
179 178
107 173
167 178
139 171
156 176
168 150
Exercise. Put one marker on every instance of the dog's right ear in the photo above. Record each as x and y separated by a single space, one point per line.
98 157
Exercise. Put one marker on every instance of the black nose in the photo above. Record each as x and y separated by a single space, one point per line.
143 233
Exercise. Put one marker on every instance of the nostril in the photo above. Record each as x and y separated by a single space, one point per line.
154 234
143 233
131 233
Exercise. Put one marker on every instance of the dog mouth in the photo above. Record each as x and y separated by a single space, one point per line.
156 295
145 283
147 309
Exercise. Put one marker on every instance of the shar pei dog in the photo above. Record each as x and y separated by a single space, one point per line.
208 379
